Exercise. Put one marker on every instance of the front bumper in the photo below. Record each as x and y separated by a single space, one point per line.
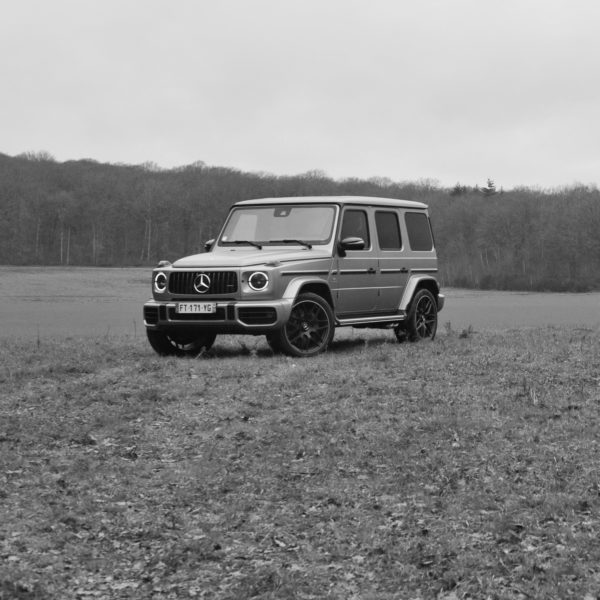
230 316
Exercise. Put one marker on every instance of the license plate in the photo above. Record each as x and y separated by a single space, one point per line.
202 308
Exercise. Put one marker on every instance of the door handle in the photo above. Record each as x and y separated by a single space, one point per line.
403 270
371 270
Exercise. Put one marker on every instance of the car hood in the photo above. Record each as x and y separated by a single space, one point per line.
243 257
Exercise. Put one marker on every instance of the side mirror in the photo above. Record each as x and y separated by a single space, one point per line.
350 243
208 245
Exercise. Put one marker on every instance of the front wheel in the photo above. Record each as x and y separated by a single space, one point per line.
179 344
309 329
421 320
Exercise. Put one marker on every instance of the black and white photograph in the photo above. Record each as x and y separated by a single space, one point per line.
299 300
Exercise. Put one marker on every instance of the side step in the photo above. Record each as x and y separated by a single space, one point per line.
378 320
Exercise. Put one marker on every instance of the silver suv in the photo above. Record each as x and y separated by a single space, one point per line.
294 269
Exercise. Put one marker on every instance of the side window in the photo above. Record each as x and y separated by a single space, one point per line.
419 231
355 224
388 230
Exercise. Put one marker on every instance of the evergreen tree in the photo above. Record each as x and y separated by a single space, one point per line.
490 188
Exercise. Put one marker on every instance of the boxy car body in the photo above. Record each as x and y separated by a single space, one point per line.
294 269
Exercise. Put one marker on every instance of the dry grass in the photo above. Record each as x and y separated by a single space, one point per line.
463 468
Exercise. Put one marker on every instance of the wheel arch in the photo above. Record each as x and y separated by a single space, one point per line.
315 286
416 283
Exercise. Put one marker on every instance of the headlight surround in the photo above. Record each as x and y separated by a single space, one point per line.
258 281
160 282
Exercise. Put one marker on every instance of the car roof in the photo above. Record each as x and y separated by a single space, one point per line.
362 200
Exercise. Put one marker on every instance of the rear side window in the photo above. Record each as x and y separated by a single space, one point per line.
388 230
419 231
355 224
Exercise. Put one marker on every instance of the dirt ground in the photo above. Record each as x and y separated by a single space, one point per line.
52 301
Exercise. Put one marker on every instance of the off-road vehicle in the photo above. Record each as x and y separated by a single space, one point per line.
294 269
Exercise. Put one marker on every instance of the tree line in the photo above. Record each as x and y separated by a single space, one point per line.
89 213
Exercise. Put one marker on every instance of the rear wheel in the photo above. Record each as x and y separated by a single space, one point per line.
421 320
168 343
309 329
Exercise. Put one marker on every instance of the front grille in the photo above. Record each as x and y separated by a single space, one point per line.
257 315
221 282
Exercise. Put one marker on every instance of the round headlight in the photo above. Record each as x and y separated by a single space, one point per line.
160 282
258 281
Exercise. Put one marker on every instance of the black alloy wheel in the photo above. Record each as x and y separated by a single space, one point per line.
168 343
421 320
309 329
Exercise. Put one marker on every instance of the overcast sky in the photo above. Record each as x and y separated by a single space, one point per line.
449 90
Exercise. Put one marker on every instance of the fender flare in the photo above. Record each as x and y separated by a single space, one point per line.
412 284
294 286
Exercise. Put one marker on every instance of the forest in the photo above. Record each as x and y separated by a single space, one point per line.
88 213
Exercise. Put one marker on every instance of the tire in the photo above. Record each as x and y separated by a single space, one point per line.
168 343
309 329
421 320
273 341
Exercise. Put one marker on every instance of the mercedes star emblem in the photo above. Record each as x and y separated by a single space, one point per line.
202 283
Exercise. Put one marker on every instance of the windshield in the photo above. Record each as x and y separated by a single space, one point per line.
279 224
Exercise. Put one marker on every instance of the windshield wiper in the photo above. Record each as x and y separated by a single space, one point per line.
301 242
245 242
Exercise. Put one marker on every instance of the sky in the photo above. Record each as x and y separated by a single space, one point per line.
451 91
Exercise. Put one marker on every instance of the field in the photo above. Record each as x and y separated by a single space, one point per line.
466 467
463 468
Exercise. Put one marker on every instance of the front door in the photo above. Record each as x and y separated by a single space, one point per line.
355 279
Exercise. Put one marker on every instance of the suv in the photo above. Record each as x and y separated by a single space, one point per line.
294 269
